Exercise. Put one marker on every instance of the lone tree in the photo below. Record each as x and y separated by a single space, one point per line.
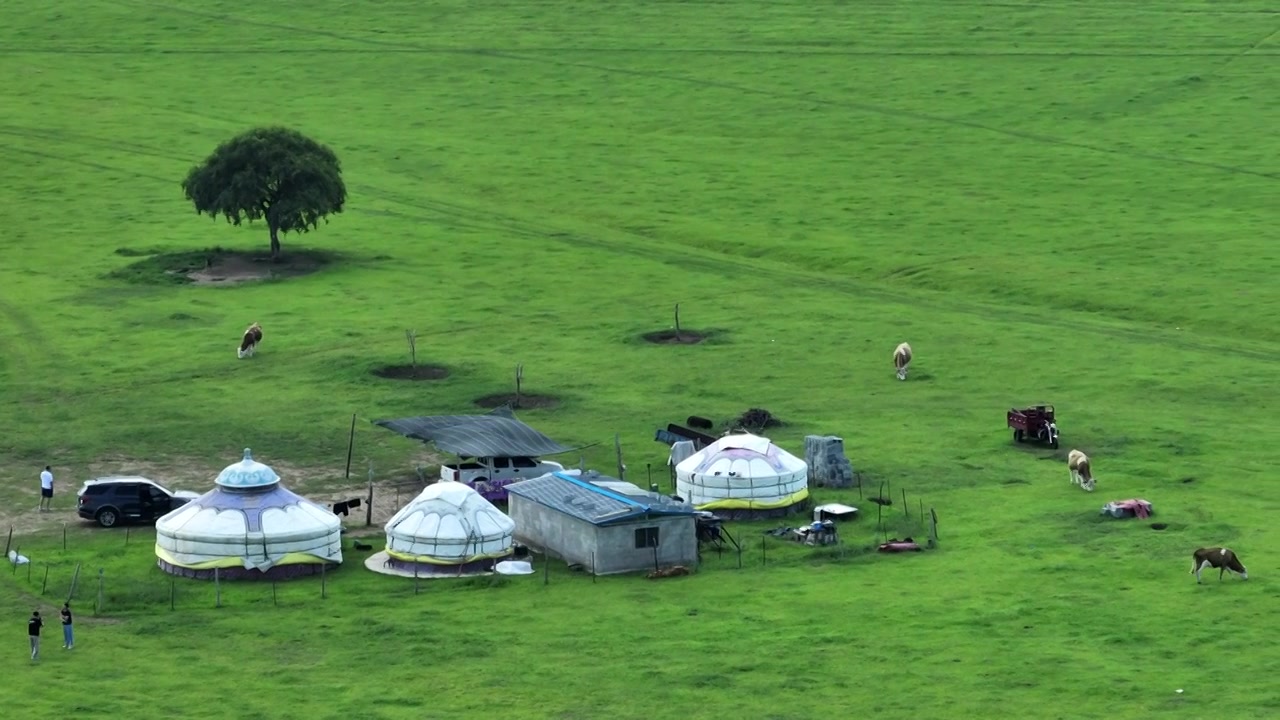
273 174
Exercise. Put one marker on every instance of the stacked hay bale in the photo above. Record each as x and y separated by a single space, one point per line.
828 467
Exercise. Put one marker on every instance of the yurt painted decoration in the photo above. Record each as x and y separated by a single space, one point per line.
248 527
448 528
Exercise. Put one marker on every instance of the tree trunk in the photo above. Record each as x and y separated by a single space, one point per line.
275 244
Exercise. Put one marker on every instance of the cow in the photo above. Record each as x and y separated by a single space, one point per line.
1081 474
902 360
1219 557
249 343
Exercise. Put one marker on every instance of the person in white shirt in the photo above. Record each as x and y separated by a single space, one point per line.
46 489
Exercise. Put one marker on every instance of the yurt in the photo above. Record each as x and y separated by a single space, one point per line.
743 476
450 529
248 527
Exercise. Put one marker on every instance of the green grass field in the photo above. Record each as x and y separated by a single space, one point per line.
1071 202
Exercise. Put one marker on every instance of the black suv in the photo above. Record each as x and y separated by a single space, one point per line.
113 500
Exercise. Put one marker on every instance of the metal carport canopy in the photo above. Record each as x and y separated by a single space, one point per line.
497 434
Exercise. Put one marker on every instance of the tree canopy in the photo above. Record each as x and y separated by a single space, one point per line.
272 174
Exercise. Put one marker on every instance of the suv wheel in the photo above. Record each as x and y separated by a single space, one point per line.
107 517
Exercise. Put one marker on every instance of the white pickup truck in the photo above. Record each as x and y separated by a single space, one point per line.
490 476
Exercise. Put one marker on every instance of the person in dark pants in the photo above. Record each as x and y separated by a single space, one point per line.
68 641
33 630
46 489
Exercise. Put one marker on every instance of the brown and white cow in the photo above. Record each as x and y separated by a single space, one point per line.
1081 473
1219 557
902 360
249 343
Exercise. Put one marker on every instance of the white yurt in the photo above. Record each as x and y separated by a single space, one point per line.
743 476
248 527
448 528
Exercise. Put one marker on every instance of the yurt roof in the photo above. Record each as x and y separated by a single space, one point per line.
759 449
449 510
275 512
248 473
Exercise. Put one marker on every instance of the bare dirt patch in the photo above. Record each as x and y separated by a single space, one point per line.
526 401
412 372
216 266
671 337
231 268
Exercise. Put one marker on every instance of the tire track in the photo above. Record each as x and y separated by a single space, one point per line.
728 266
785 50
748 90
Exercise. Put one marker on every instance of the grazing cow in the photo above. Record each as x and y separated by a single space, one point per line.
249 343
1218 557
673 571
1081 474
1078 464
902 360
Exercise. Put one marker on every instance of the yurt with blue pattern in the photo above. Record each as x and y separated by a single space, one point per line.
248 526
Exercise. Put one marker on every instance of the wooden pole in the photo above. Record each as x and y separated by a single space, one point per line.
75 580
546 568
905 511
98 608
368 509
274 599
678 322
351 443
617 445
519 382
64 537
8 543
45 585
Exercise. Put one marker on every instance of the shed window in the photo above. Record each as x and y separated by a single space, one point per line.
647 537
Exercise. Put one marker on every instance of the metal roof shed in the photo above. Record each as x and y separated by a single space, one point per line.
603 524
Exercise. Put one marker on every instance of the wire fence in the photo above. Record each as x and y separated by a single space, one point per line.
116 571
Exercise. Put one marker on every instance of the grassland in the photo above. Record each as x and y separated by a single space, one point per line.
1065 201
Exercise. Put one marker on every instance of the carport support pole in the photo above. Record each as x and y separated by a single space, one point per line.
351 443
45 585
368 508
64 538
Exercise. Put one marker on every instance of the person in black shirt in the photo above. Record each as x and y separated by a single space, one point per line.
33 629
68 641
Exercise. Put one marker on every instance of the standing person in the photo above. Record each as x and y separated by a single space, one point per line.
33 630
68 641
46 489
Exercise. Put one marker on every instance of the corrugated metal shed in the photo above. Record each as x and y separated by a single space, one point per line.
582 498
